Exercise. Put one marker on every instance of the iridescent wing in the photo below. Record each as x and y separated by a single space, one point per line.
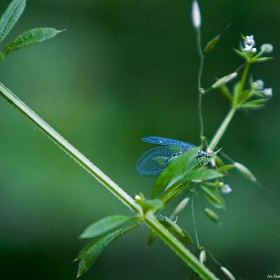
154 161
168 142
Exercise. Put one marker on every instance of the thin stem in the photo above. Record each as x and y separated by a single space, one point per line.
244 75
200 70
179 248
221 130
194 222
70 150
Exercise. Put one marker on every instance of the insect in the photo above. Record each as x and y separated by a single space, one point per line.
155 160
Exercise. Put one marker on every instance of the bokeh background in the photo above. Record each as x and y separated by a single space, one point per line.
124 70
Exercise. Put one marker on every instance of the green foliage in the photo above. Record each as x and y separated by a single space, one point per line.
90 253
177 231
31 37
189 170
28 38
104 225
10 17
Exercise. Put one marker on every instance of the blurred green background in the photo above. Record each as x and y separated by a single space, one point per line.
124 70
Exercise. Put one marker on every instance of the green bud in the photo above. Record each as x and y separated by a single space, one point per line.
224 80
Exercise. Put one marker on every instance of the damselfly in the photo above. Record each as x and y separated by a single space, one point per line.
155 160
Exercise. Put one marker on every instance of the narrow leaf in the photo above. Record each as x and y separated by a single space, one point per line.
204 174
213 197
211 44
31 37
178 232
225 167
10 17
226 93
254 104
183 164
90 253
104 225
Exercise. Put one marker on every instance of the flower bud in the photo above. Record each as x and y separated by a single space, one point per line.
196 19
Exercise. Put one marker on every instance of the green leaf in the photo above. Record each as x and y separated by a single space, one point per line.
226 93
174 172
150 204
90 253
242 54
10 17
104 225
31 37
225 167
243 96
178 232
213 197
211 44
236 91
261 59
212 215
254 104
203 174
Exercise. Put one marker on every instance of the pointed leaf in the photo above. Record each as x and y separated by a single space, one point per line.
178 232
213 197
225 167
226 93
261 59
211 44
104 225
90 253
10 17
204 174
31 37
254 104
184 163
242 54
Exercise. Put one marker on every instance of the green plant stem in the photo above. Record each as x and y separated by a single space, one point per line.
219 133
201 64
70 150
244 75
194 222
179 248
150 220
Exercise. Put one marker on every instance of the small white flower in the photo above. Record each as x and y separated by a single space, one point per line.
268 92
196 15
226 189
266 48
249 44
258 85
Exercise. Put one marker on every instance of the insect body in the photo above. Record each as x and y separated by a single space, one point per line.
155 160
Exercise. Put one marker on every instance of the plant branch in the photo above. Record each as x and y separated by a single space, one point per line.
70 150
179 248
221 130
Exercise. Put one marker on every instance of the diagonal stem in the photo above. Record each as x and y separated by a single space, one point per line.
70 150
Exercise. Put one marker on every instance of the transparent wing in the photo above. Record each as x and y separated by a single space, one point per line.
168 142
154 161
